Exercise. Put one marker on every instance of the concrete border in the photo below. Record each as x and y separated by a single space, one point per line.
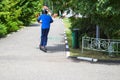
87 59
94 60
67 50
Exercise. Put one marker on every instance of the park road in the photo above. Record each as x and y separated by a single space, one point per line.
21 59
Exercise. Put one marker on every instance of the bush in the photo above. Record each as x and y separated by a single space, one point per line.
20 23
3 30
12 26
84 25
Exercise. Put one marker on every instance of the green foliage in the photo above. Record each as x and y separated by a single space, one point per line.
3 17
56 5
84 25
14 14
29 8
3 30
12 26
104 13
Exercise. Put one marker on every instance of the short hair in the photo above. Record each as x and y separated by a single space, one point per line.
44 11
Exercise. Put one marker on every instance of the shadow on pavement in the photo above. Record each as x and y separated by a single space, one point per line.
34 25
57 48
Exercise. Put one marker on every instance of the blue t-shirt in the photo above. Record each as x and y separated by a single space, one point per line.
45 20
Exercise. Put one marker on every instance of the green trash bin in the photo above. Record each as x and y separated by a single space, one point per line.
75 38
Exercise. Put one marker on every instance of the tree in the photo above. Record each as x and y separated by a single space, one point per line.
104 13
29 8
15 13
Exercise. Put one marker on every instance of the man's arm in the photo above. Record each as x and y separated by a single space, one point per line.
39 19
51 20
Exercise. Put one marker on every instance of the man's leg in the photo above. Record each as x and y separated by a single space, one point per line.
43 40
42 37
46 37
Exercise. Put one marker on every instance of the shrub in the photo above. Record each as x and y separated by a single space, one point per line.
12 26
20 23
3 30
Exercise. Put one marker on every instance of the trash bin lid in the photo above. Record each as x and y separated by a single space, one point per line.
76 29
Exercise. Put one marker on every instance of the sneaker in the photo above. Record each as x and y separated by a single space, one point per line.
43 49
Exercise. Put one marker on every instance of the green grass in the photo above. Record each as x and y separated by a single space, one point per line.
68 31
67 22
92 54
86 53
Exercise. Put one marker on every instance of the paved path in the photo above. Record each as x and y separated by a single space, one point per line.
20 58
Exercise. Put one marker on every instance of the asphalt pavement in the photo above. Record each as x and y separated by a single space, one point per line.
21 58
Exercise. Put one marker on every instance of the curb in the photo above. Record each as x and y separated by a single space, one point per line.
87 59
95 60
67 50
84 59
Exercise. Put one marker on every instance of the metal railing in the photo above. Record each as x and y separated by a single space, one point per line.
98 44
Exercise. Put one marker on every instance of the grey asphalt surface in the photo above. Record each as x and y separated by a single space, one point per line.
21 59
